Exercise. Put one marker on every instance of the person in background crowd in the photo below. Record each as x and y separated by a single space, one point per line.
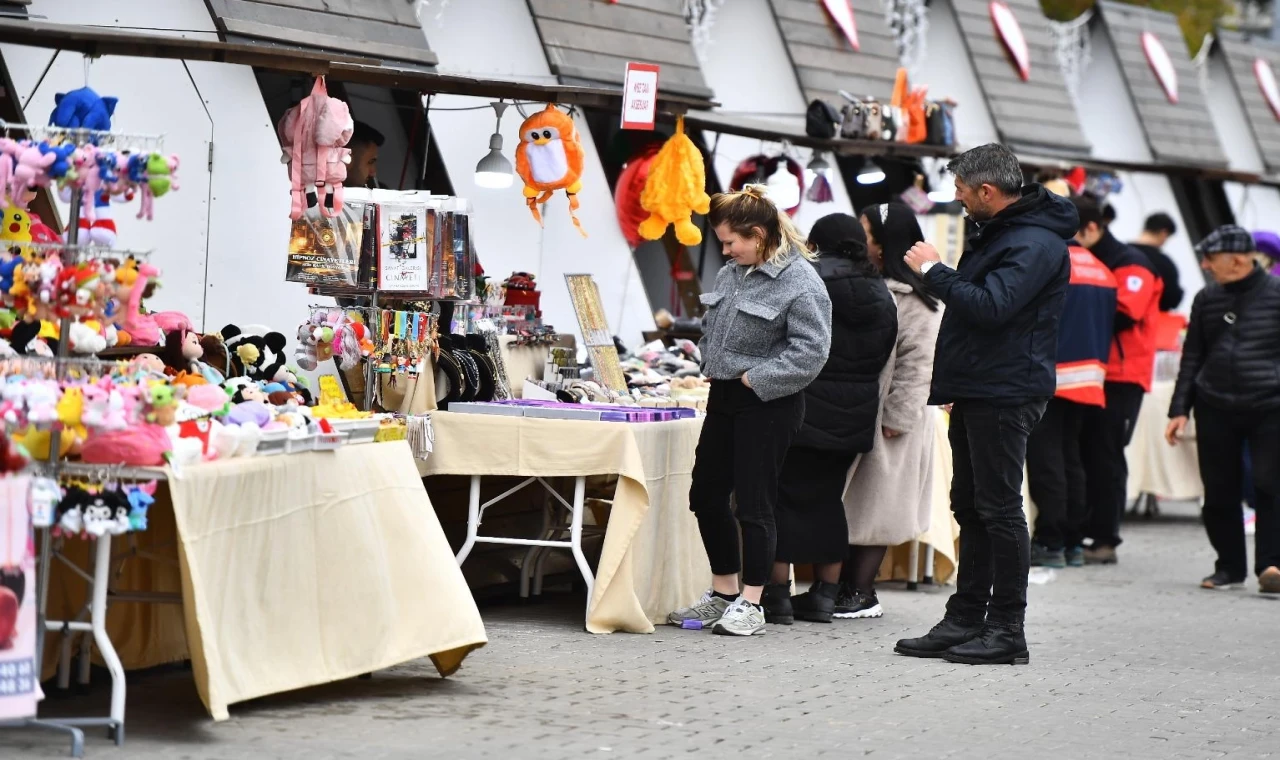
1108 430
364 144
1268 244
1055 468
766 334
839 423
1230 377
889 497
1156 231
995 362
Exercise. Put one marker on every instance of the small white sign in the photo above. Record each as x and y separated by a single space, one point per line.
640 96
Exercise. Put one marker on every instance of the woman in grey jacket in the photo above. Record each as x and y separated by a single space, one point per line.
766 333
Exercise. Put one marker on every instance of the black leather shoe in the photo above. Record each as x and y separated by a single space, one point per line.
818 604
943 636
776 601
998 645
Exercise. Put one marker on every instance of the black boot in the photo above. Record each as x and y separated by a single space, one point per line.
818 603
776 601
945 635
997 645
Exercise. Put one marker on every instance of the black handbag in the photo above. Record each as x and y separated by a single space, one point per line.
821 120
941 124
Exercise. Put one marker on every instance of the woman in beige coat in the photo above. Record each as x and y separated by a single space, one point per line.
887 499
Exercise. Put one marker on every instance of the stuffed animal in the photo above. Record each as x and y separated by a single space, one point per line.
313 135
63 157
30 168
675 190
139 502
258 357
85 339
141 328
182 351
549 158
82 109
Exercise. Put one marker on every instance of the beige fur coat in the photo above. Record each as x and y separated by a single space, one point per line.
888 496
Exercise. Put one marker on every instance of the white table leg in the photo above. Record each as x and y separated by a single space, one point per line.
928 564
473 520
575 537
101 578
913 567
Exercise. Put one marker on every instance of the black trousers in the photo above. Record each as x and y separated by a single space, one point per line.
812 527
740 452
1220 440
989 451
1106 434
1055 475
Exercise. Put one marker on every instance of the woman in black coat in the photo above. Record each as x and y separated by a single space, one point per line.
839 423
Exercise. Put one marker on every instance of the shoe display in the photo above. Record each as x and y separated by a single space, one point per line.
742 618
1269 580
1074 556
1100 555
940 638
1221 581
859 604
703 613
997 645
1043 557
776 601
818 603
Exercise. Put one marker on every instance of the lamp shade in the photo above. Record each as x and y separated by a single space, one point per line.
494 170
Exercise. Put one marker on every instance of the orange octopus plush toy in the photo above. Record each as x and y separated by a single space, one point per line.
550 158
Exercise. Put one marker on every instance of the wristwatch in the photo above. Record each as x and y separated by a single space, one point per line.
925 267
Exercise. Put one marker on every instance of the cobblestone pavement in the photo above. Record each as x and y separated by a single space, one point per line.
1132 661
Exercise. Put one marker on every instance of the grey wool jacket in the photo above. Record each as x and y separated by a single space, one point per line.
772 323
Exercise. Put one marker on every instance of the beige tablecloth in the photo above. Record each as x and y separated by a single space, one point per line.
295 571
1155 467
652 560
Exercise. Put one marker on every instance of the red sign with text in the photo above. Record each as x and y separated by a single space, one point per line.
640 96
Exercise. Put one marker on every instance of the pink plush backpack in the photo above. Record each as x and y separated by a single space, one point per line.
314 134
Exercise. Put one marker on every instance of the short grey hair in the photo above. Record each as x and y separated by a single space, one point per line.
991 164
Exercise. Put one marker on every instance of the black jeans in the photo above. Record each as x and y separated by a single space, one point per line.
1220 439
1055 475
743 444
1106 434
989 450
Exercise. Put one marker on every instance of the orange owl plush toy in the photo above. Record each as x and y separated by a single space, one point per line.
675 190
550 158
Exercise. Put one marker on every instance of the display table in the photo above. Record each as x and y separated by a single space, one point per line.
296 570
1155 467
652 560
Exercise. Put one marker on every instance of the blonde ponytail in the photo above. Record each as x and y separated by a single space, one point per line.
751 208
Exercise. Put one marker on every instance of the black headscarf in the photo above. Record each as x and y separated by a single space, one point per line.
841 236
895 228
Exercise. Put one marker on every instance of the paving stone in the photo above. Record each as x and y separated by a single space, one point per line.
1131 661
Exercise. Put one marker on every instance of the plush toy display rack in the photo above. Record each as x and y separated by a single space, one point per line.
99 577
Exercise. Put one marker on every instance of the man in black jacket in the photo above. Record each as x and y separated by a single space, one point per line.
1230 376
1156 232
996 363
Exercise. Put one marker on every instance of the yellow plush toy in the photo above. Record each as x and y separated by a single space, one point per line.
675 190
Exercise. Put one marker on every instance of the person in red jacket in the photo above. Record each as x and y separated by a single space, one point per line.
1055 468
1108 430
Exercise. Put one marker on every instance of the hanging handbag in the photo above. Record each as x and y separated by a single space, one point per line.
821 120
851 122
872 119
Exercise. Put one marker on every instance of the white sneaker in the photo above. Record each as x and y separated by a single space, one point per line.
741 619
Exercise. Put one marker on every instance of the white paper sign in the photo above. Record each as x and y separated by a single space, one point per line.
640 96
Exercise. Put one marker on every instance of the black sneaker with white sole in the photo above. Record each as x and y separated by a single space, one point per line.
852 604
1221 581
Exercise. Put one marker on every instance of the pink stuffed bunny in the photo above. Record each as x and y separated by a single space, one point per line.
313 134
28 170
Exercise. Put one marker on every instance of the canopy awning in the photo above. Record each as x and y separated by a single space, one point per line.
97 41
